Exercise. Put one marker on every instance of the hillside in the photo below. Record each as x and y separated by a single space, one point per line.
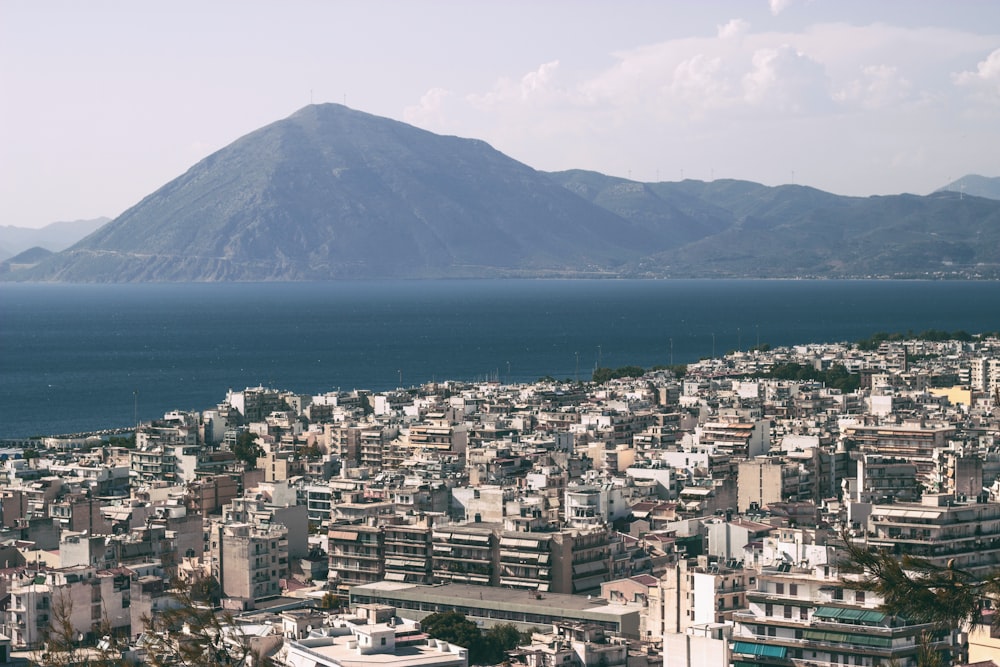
333 193
977 186
54 237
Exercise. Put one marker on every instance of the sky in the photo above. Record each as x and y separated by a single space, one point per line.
102 102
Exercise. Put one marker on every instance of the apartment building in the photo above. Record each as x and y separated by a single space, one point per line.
249 561
357 555
739 439
914 441
696 592
83 598
806 616
941 530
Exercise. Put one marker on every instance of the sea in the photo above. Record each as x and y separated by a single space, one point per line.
80 358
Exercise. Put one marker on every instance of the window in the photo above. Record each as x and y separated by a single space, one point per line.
859 596
779 588
793 589
383 641
788 611
768 609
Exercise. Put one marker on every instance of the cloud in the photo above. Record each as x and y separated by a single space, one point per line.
535 87
878 87
986 78
431 110
778 6
785 79
734 28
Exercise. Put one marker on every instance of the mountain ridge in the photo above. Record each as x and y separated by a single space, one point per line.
333 193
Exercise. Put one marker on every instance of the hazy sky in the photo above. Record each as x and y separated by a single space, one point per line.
103 102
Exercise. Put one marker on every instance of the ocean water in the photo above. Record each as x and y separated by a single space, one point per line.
85 357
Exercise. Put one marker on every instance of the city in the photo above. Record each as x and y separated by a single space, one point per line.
661 517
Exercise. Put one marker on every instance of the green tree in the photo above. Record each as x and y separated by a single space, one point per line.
917 589
602 375
455 628
247 449
913 588
502 638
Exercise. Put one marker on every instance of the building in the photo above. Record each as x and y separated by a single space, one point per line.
941 530
487 606
808 616
249 561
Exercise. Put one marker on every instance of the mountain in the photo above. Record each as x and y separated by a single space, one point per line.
26 259
977 186
334 193
55 236
751 230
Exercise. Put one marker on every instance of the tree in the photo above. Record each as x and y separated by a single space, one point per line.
917 589
502 638
455 628
247 449
63 645
192 634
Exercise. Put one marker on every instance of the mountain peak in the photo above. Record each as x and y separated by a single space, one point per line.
335 193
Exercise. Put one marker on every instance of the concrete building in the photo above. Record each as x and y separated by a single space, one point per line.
249 561
696 592
941 530
488 606
808 616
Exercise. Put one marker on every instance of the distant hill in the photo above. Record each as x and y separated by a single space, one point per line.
751 230
334 193
24 260
55 236
977 186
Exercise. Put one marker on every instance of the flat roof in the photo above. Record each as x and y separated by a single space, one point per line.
489 597
337 651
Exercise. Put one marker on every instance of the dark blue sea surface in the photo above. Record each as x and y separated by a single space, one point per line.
85 357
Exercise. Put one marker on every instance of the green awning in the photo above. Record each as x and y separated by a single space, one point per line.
847 638
848 615
763 650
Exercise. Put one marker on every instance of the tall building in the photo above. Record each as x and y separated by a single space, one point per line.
249 561
806 616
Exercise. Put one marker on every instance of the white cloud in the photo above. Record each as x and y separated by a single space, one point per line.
734 28
878 87
431 111
786 80
986 78
778 6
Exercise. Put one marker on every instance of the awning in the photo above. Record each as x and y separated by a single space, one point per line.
764 650
592 566
343 535
847 638
848 615
515 543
